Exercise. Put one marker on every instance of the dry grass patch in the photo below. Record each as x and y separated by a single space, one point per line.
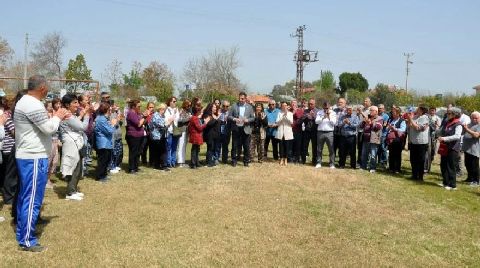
264 215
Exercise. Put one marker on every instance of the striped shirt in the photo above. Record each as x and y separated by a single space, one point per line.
9 140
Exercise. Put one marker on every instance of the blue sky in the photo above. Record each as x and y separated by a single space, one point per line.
351 36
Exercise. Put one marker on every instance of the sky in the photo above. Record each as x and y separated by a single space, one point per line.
367 36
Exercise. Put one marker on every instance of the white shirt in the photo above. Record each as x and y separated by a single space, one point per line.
325 124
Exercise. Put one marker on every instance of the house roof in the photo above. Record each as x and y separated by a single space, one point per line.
308 90
477 87
259 98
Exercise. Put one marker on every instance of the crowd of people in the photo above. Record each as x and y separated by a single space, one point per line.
36 136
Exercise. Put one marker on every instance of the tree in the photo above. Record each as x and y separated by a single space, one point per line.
354 81
114 76
326 81
6 53
215 72
47 56
132 82
382 95
431 101
158 80
78 70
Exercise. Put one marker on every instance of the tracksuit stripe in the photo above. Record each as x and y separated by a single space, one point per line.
31 203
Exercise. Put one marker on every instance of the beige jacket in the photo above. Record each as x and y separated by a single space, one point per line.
284 129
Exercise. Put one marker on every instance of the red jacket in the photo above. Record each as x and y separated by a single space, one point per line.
195 129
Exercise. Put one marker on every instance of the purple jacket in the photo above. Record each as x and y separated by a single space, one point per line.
133 129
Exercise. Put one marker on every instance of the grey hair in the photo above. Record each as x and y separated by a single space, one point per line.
34 82
457 112
475 114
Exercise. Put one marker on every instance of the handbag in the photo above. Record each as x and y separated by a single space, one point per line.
443 149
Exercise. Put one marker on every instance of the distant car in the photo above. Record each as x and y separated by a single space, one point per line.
51 96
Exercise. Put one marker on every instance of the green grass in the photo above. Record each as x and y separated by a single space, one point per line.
264 215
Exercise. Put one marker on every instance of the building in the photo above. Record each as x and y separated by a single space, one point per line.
260 99
477 89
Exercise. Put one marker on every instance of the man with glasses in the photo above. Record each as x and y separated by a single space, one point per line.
271 112
105 97
241 115
309 132
225 130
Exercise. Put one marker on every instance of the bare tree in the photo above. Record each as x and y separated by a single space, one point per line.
113 73
47 55
6 53
215 72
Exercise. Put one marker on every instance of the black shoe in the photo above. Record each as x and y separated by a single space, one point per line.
234 164
37 248
131 171
245 164
193 167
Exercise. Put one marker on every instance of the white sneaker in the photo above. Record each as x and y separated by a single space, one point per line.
79 194
74 197
318 166
372 171
332 166
118 168
448 188
114 171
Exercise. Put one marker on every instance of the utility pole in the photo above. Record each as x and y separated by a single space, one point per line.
407 55
302 58
25 63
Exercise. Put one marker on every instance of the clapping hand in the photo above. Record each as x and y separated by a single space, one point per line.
3 119
62 113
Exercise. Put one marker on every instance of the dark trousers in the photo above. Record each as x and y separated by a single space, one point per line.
395 156
240 140
194 152
447 166
134 150
285 148
347 147
417 159
72 185
274 146
471 164
225 141
158 153
336 144
307 138
211 146
360 147
146 147
297 147
8 173
104 156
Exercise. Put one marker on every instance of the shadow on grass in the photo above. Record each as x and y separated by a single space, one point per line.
61 191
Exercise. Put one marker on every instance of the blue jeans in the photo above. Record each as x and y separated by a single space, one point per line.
369 155
382 151
172 143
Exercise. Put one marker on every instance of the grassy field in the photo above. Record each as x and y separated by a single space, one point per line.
264 215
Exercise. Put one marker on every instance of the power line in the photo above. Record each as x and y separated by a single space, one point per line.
407 70
302 58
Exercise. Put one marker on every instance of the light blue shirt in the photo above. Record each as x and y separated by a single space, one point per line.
241 110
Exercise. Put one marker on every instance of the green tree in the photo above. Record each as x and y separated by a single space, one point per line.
354 81
431 101
355 96
158 80
468 103
382 95
132 82
78 70
326 81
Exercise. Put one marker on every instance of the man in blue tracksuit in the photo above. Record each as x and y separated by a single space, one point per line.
33 140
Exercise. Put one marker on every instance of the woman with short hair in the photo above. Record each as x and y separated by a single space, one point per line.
396 128
183 119
449 138
418 138
195 134
135 133
72 131
103 132
158 137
